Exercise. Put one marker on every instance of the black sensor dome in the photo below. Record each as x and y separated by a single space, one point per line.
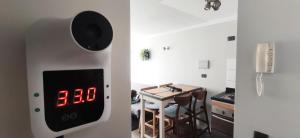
92 31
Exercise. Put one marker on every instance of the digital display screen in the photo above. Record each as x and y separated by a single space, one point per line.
73 97
79 96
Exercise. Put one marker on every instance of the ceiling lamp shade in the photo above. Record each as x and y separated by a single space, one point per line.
214 4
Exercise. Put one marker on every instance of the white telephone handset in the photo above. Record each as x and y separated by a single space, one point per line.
265 60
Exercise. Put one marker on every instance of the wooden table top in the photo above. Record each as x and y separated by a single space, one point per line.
157 90
168 94
165 93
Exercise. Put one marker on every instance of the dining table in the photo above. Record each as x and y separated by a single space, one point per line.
162 96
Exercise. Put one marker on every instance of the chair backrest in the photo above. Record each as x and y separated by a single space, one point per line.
182 102
148 88
165 85
199 95
135 97
133 94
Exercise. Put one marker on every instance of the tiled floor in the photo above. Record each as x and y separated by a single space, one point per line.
215 134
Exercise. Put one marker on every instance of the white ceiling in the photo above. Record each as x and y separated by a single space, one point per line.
152 17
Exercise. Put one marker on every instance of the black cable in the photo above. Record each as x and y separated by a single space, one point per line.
60 136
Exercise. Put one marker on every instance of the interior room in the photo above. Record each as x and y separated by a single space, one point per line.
149 68
187 45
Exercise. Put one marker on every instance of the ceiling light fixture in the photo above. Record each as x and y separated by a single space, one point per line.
214 4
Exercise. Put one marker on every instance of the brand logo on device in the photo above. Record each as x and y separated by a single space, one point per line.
69 117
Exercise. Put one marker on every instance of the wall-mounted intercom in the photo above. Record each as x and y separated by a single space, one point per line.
230 38
203 64
69 73
265 62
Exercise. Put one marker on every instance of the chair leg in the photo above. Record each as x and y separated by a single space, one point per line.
154 124
191 123
171 124
174 128
207 121
195 122
139 126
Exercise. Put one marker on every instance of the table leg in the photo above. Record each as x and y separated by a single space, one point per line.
142 117
161 120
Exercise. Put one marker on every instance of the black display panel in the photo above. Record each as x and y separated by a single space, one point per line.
73 97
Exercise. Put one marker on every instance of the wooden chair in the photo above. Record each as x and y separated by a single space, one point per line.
177 113
199 107
154 111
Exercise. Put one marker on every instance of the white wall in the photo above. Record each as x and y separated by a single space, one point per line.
179 64
16 16
277 111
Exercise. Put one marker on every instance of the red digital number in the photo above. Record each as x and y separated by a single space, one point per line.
62 98
78 96
91 94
